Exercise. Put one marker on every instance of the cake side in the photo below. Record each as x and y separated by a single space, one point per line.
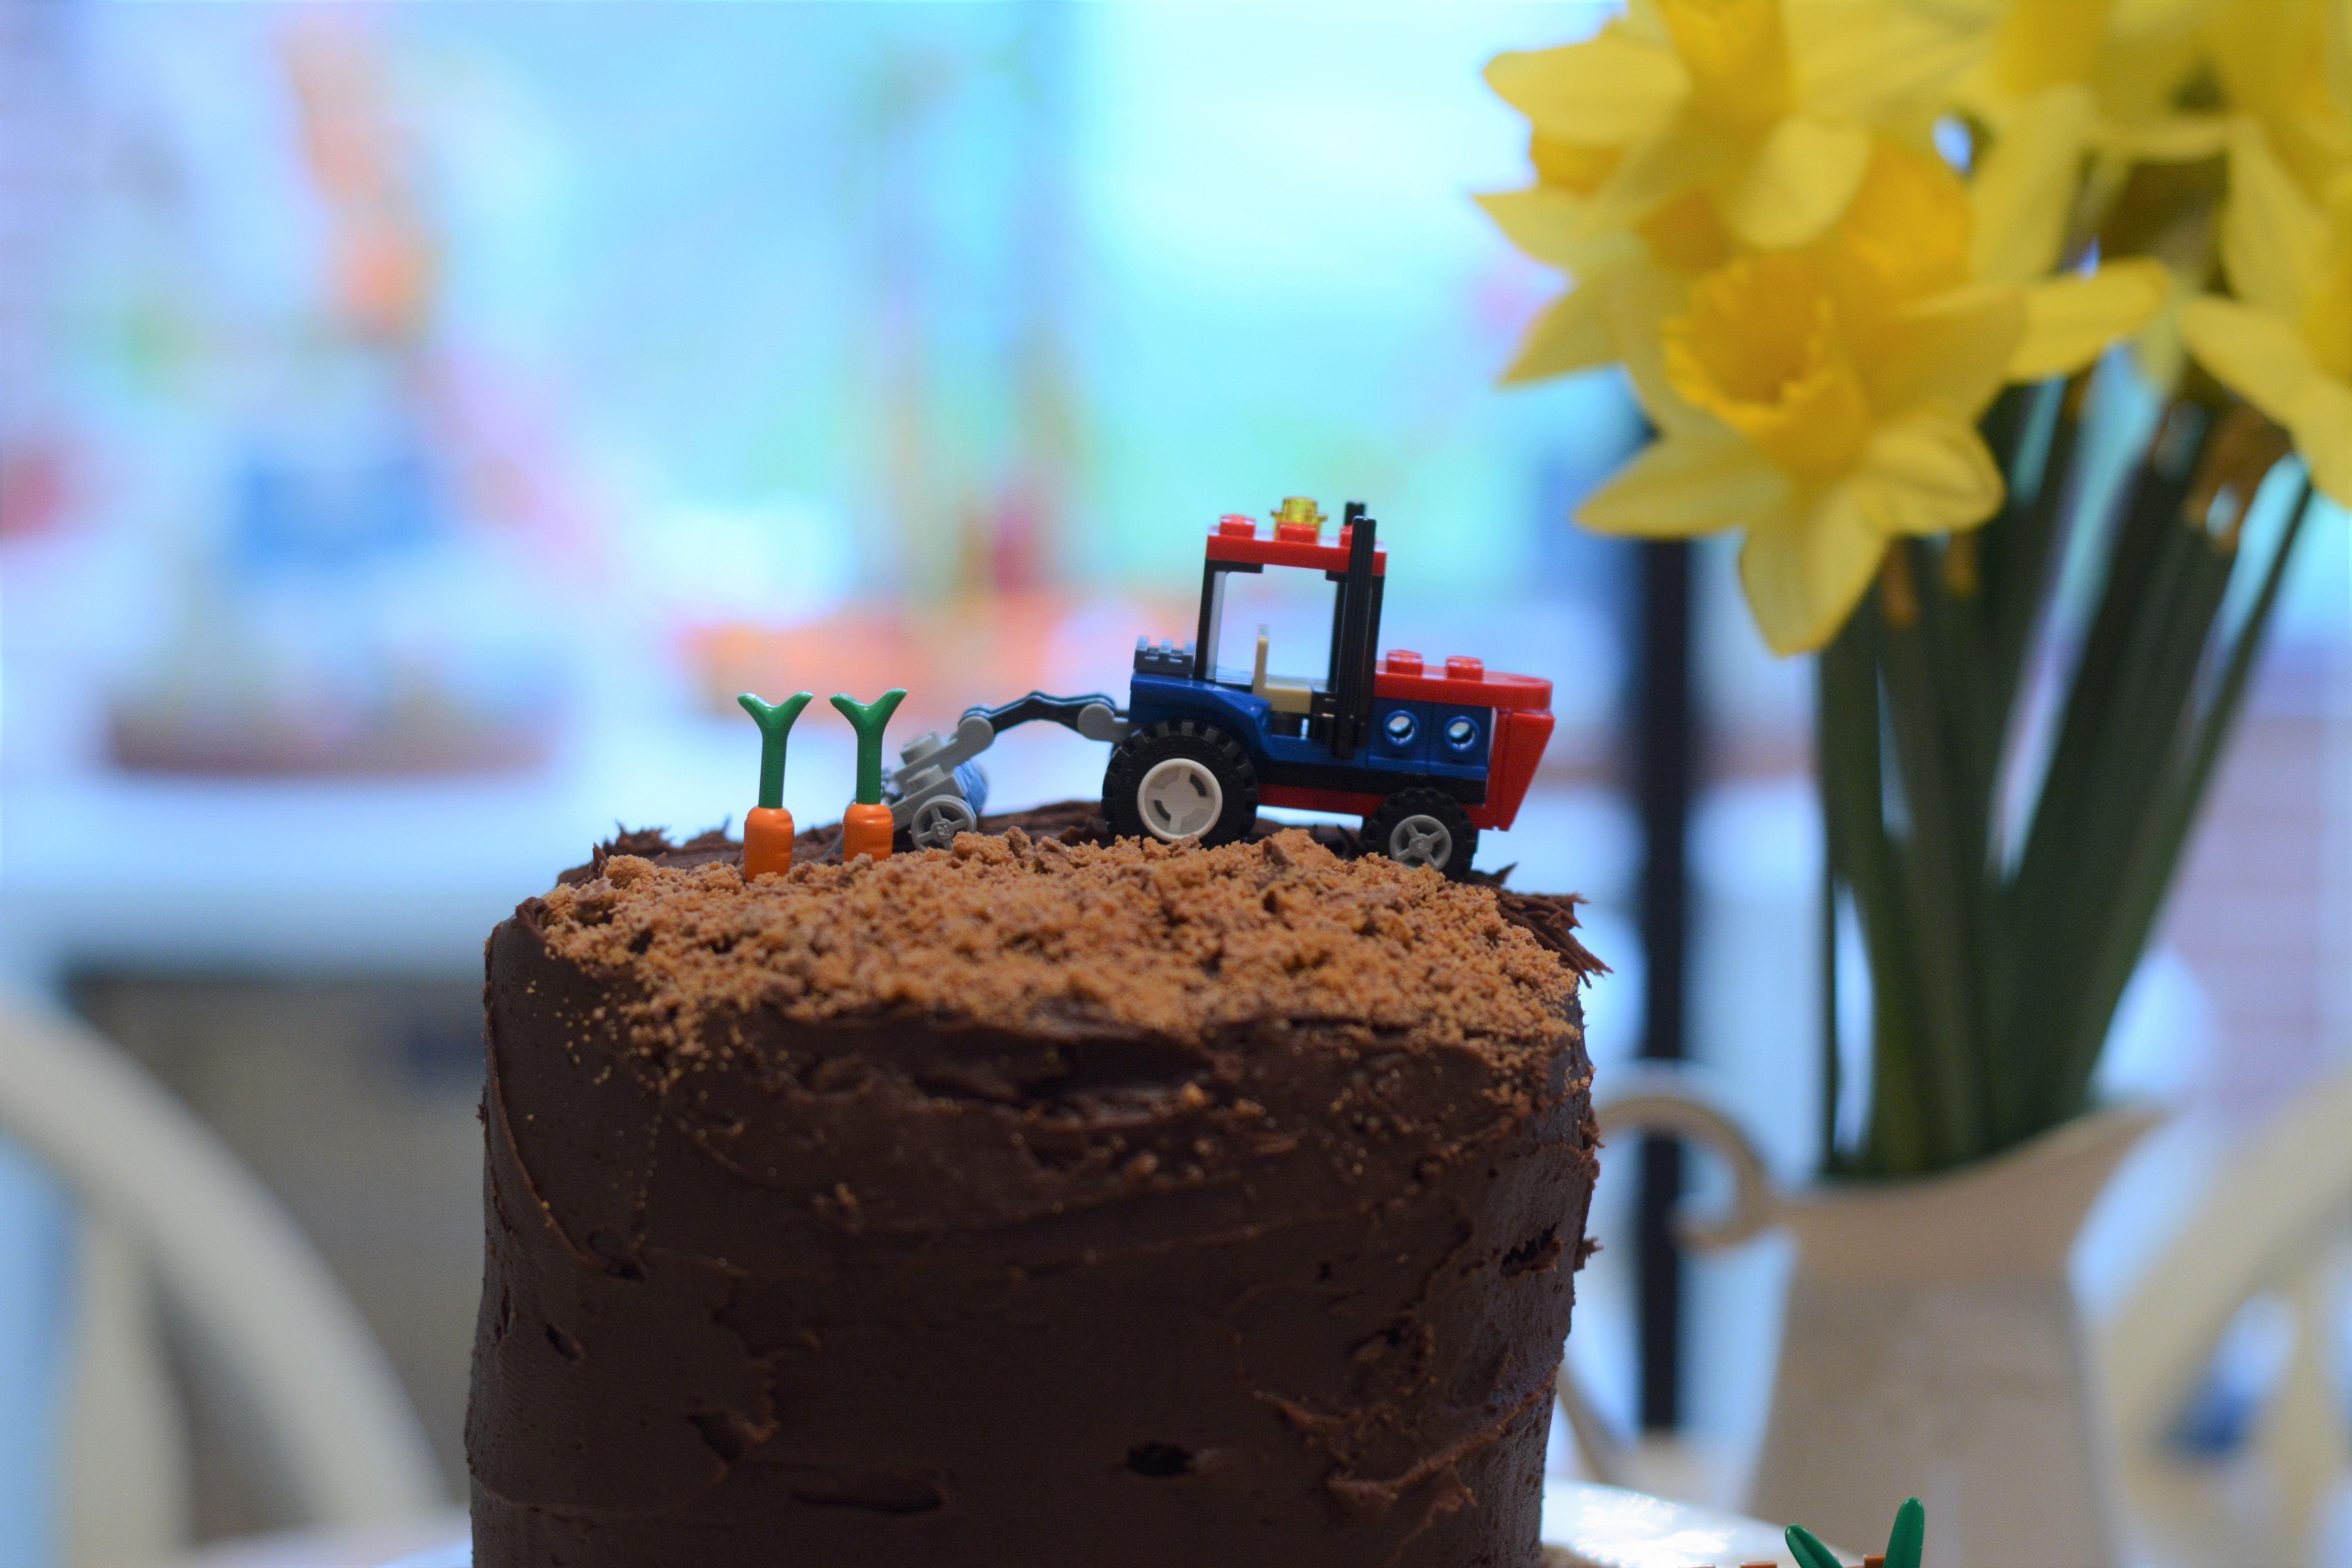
1176 1206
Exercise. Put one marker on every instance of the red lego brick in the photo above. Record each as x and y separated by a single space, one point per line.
1520 737
1493 689
1257 552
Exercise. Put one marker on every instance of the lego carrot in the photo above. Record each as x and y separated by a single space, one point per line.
1903 1543
768 827
865 825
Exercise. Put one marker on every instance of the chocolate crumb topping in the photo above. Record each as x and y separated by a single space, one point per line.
1035 934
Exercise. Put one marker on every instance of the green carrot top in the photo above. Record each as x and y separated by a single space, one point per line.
1909 1537
868 719
775 722
1904 1545
1808 1550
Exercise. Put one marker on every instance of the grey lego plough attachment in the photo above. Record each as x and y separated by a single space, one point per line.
938 790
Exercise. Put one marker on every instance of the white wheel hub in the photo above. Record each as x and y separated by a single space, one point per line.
1179 798
1421 841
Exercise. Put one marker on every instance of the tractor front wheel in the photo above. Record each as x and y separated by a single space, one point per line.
1181 780
1423 826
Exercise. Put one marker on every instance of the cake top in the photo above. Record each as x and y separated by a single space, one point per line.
1038 935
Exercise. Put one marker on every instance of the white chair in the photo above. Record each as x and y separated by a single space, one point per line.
172 1221
2277 1224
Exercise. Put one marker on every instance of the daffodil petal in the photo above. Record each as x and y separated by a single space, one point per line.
1930 473
2068 321
2255 355
2024 185
1681 485
2151 47
1609 89
2274 239
1572 334
1805 573
1684 156
1639 300
1872 60
1799 182
1546 223
2322 427
1952 353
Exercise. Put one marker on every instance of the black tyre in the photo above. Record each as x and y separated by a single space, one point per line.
1423 826
1183 779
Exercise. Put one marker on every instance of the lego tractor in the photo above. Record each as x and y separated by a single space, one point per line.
1425 757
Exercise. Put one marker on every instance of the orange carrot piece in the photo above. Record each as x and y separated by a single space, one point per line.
865 830
767 840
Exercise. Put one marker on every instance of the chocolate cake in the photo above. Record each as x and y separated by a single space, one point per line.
1040 1201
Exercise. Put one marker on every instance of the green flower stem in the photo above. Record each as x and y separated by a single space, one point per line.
1833 1062
2193 744
2116 750
2004 910
775 722
1942 859
869 718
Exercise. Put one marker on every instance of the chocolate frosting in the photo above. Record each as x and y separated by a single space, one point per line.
912 1290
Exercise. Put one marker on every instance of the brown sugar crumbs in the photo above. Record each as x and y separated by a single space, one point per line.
1032 934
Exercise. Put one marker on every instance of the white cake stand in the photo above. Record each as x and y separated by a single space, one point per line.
1584 1526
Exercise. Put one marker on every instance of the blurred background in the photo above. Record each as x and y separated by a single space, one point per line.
417 423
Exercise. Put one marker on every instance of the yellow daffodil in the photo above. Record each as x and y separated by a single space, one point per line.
1683 238
2111 80
2283 65
2107 72
1825 398
2127 67
2284 343
1766 108
1565 220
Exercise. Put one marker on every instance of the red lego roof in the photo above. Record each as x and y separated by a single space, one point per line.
1488 689
1237 540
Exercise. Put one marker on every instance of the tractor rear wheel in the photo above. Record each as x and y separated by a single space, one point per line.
1423 826
1181 780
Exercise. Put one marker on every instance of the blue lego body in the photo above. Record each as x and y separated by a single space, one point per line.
1418 749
